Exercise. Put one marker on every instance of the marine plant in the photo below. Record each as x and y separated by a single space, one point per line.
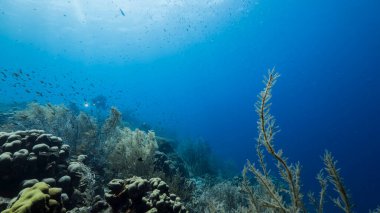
269 196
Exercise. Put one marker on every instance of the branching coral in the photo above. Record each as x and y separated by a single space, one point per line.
224 196
290 173
131 152
343 201
266 196
318 205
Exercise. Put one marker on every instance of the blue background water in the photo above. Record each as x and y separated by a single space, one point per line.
196 68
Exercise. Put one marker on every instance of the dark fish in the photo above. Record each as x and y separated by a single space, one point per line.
4 74
24 117
140 159
28 91
39 93
42 82
15 74
122 12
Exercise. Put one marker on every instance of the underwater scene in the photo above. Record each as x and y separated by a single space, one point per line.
213 106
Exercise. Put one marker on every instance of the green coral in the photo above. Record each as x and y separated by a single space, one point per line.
31 199
38 198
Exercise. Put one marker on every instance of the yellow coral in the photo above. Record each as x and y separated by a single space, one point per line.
33 199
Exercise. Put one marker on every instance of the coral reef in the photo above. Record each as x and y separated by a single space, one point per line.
142 195
29 155
167 159
38 198
79 131
39 173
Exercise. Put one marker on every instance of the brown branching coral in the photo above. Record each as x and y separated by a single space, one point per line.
289 173
266 196
318 204
343 201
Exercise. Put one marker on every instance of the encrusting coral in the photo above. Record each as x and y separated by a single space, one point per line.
38 198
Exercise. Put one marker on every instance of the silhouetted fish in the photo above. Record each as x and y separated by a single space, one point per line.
122 12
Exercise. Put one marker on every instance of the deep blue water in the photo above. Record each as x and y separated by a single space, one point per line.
195 69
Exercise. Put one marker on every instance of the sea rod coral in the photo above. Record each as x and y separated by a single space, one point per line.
270 196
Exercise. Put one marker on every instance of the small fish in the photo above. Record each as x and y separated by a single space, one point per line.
24 117
140 159
4 74
28 91
39 94
16 75
122 12
42 82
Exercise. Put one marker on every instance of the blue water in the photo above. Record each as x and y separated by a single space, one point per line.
195 69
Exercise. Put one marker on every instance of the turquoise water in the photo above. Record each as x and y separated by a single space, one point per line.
193 69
